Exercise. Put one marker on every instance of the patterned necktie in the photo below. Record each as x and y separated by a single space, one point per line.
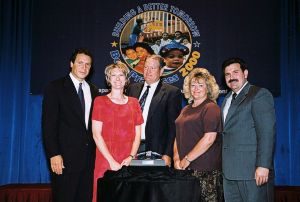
81 97
144 97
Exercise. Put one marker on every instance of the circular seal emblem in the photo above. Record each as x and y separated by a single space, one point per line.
156 32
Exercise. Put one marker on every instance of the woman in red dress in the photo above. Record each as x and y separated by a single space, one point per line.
116 124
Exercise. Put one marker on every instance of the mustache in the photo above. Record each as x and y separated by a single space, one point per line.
232 80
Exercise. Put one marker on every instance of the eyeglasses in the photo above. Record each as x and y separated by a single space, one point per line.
171 56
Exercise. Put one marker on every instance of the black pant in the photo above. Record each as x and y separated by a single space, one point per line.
73 186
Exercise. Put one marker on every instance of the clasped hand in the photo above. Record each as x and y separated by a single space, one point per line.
181 164
115 166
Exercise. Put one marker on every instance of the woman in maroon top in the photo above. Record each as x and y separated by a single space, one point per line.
198 134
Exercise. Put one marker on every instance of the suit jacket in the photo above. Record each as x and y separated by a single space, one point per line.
63 125
248 134
164 108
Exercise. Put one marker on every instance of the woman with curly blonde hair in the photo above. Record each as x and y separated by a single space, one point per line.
198 134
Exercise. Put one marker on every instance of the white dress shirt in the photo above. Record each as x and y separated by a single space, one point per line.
147 104
87 97
228 102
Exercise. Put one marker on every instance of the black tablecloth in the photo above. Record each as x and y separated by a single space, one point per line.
148 184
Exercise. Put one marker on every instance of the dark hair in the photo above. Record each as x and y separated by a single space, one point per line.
178 32
127 48
145 46
138 21
234 60
80 51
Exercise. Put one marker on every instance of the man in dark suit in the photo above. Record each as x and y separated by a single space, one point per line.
66 128
248 137
160 108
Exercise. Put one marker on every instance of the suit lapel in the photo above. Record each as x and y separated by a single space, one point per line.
94 94
72 96
240 98
223 105
158 95
225 100
137 92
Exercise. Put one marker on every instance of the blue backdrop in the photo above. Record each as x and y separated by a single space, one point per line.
22 158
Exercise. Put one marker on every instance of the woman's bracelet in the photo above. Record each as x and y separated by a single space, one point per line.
187 159
131 156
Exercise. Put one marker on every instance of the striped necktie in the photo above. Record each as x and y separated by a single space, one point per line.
142 101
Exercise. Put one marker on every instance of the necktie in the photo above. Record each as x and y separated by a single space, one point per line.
144 97
233 97
81 97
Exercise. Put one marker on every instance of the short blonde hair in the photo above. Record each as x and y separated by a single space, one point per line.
122 66
201 73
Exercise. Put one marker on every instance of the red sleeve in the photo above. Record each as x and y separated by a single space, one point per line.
97 114
138 112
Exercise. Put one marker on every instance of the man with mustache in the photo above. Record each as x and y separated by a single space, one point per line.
248 137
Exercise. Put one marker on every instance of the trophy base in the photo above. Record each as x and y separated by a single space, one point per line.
148 162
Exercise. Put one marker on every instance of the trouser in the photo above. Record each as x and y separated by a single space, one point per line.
72 186
248 191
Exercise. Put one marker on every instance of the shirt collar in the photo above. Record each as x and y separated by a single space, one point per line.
153 85
237 93
76 82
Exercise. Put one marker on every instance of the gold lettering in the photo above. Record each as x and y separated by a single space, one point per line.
190 64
